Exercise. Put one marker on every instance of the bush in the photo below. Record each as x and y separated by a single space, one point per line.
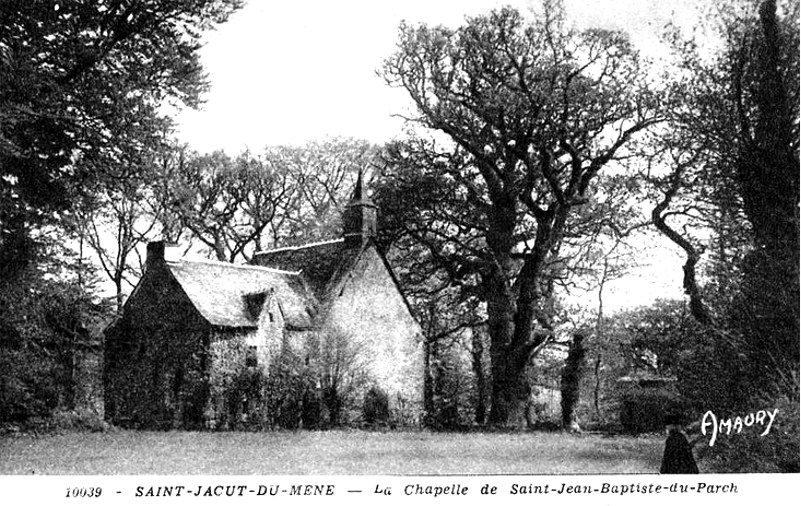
376 407
312 410
246 398
286 383
27 386
644 409
43 326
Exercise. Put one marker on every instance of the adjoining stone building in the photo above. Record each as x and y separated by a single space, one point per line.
193 335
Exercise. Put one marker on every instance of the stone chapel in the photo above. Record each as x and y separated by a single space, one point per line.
194 335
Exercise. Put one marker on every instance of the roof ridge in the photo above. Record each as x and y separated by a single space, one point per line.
235 266
302 246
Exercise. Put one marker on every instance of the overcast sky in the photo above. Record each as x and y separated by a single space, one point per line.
290 72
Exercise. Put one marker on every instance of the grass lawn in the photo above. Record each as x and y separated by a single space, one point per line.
334 452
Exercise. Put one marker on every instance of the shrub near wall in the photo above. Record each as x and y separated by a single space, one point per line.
280 394
228 355
296 389
287 383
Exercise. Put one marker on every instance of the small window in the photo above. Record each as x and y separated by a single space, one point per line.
252 358
272 317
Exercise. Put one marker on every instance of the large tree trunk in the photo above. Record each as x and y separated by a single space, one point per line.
509 382
510 393
511 346
571 382
512 309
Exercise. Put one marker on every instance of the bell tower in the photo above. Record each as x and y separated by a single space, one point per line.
360 217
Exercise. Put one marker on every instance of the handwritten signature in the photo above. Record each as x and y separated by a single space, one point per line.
736 424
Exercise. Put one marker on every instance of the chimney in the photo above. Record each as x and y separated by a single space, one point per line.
359 218
155 254
161 251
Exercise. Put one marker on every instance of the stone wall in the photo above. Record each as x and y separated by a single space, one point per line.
155 368
371 312
239 365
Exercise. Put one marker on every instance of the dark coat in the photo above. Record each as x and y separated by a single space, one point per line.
678 457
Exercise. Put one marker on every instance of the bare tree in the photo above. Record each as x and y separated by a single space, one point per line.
227 204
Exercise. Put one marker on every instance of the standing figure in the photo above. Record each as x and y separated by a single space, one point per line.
678 457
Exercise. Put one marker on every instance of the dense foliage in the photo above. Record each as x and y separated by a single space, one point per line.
81 86
733 189
49 327
733 159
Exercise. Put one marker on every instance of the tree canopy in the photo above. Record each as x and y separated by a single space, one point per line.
531 113
81 84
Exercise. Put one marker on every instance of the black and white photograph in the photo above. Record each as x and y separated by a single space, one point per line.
537 240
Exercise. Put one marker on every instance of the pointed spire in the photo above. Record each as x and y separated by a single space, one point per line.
358 192
359 218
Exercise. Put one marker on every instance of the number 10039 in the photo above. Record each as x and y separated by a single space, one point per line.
84 491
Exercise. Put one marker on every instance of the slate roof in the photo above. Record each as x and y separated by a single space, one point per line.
320 264
218 291
305 280
324 266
